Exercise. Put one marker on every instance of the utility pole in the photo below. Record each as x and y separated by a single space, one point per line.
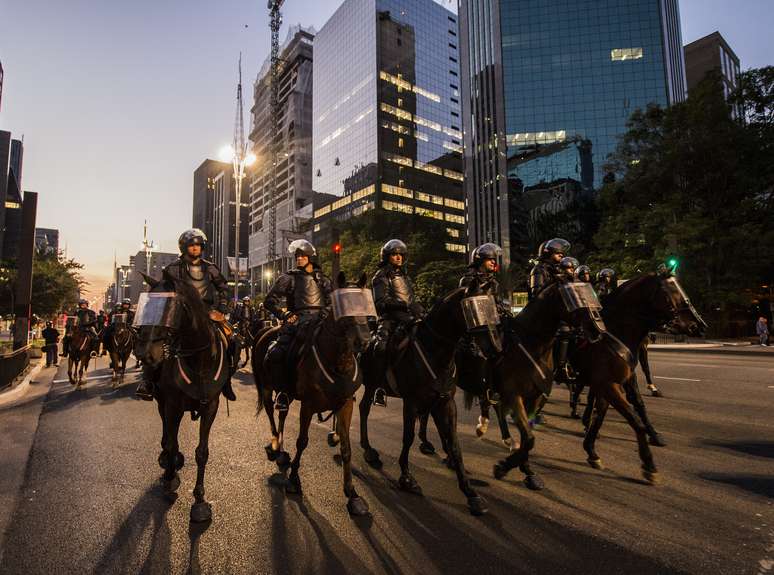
148 247
239 160
275 22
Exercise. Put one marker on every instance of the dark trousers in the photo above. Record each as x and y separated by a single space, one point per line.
51 349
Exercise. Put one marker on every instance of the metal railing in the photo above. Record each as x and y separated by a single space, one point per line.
13 364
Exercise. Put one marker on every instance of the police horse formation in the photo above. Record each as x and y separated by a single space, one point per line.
466 340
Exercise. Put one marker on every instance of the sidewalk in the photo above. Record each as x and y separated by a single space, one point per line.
738 347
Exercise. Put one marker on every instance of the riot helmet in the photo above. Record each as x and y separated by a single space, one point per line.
126 301
393 247
606 276
583 274
301 248
488 251
192 237
246 299
83 301
554 246
567 266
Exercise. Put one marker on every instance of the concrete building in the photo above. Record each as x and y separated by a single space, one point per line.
547 88
47 239
294 170
712 54
11 197
131 282
214 212
387 125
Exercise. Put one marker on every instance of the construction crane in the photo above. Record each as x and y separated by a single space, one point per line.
275 21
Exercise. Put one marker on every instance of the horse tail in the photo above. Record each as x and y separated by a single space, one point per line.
259 403
468 399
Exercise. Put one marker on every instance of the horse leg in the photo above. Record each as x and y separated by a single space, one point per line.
600 405
201 511
294 481
591 397
407 481
425 446
247 355
634 397
575 395
272 449
445 418
483 419
502 421
617 400
369 453
172 416
356 505
645 365
520 457
283 457
70 363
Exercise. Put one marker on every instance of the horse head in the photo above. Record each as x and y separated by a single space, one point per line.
352 306
672 307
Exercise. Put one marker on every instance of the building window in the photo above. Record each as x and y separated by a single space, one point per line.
621 54
400 142
453 233
457 248
397 207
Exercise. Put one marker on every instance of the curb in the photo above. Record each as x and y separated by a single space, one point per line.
720 350
10 396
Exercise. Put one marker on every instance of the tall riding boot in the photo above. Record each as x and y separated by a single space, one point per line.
145 388
65 346
277 371
228 391
380 368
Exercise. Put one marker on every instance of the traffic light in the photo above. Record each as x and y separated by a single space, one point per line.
672 263
337 248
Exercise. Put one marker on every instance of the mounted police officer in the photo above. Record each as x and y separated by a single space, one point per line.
396 305
86 321
306 291
606 281
545 271
483 269
243 313
125 309
583 274
205 278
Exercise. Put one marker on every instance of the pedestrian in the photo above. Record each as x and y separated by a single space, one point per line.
762 329
51 336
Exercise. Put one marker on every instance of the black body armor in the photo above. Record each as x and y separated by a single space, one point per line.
205 277
303 292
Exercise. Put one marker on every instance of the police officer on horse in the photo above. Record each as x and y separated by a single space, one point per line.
125 309
205 277
606 281
306 291
396 305
86 321
545 271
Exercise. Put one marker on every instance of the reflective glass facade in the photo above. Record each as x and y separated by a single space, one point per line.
387 114
550 85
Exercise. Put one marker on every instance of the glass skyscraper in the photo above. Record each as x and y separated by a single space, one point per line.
387 116
548 86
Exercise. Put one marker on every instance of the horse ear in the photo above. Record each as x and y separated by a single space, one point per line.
362 281
149 280
341 280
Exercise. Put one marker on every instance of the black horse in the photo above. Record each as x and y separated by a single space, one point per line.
631 311
423 371
326 377
119 345
188 354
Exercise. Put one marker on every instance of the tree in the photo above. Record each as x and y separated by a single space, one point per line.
55 283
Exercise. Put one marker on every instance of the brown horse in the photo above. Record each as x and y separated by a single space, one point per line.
79 355
187 358
327 375
631 311
424 374
120 346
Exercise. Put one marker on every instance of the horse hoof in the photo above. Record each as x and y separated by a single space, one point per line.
409 484
201 512
293 486
283 460
171 486
534 482
372 458
655 439
651 476
427 448
271 453
477 505
596 463
357 507
499 471
482 427
333 438
656 393
574 415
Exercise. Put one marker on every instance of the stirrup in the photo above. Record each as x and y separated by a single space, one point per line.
492 397
380 399
281 401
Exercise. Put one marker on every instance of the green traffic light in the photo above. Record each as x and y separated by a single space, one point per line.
672 263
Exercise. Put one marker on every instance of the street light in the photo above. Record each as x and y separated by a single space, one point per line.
240 158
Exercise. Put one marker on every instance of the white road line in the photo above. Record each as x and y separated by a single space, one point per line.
88 378
675 378
771 387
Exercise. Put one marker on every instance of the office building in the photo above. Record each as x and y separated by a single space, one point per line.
548 86
387 117
712 54
11 197
293 189
47 240
130 283
214 212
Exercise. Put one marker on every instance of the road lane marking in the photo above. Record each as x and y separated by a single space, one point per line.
89 378
675 378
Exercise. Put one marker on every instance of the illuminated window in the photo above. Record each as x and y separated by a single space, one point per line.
422 197
452 232
400 142
438 215
453 175
428 168
455 219
317 227
397 191
456 204
397 207
400 102
458 248
360 194
322 211
531 138
404 85
620 54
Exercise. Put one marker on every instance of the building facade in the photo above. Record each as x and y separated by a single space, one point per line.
548 86
388 126
47 239
130 283
712 54
293 192
11 196
214 212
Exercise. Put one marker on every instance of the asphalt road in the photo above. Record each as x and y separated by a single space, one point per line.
86 499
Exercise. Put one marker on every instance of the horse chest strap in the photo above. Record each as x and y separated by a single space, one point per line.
532 359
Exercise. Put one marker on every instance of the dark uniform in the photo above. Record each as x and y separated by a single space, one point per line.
125 309
85 321
306 294
583 274
243 312
606 282
396 305
546 269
